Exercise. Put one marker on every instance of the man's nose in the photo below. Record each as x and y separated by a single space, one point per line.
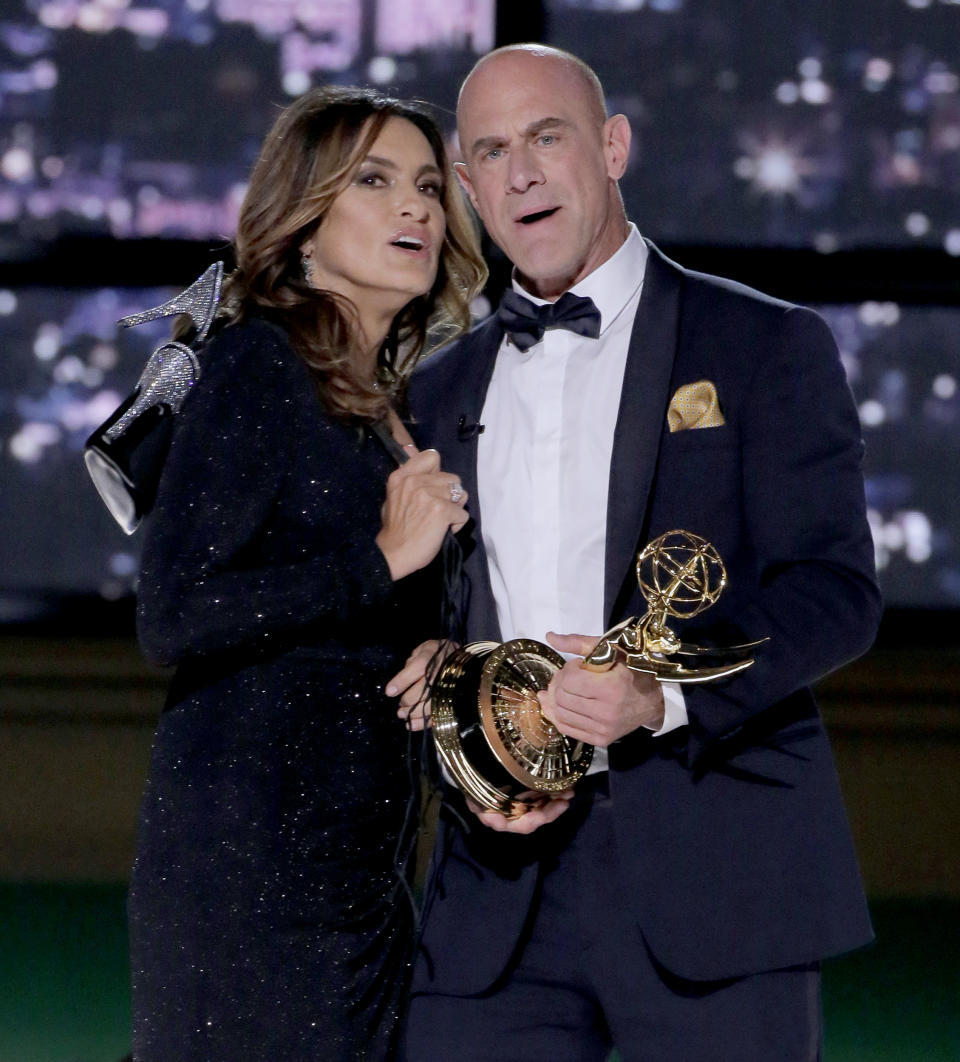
523 170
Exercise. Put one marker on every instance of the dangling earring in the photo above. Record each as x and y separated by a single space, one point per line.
307 267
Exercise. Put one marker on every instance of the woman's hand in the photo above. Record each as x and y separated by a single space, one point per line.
410 684
422 503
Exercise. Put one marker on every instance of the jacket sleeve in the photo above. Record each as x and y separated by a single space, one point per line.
812 590
208 583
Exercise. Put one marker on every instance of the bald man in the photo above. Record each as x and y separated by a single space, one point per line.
678 903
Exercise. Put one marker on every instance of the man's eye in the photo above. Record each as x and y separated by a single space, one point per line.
548 139
494 153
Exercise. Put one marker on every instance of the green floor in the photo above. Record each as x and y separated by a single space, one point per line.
64 991
64 986
899 1000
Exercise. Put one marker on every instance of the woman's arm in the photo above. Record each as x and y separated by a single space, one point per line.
205 586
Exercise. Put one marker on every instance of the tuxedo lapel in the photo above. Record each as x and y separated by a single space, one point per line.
466 407
460 455
640 420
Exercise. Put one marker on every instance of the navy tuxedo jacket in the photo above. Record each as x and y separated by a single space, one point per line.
733 842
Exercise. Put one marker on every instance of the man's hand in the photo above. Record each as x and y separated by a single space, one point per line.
599 707
409 685
551 808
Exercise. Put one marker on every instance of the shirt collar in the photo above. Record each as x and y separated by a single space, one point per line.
611 285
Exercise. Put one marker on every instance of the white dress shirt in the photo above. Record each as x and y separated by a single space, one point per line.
543 466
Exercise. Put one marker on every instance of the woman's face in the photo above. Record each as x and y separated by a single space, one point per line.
380 241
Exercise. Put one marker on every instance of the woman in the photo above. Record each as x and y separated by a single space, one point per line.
266 916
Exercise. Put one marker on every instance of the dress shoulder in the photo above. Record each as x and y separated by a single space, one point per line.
254 351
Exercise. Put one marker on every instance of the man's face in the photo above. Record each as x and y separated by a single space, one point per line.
540 168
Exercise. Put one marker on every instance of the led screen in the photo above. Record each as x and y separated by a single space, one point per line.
66 366
903 363
142 118
830 124
824 124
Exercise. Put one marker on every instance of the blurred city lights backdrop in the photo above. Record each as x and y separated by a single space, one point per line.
820 126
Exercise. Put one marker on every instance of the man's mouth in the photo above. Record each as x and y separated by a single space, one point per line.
537 215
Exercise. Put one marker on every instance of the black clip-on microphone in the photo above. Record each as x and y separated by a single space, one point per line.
465 431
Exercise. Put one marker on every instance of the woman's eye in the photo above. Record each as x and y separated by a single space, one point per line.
431 188
372 180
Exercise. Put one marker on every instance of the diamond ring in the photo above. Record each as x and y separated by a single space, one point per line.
456 492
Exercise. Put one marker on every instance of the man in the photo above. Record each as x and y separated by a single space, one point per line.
678 903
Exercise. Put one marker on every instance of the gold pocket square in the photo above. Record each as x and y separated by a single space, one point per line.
695 406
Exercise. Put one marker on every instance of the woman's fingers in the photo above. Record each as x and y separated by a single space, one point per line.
420 461
417 717
409 684
422 503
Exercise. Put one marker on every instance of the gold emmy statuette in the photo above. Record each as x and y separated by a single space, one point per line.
492 736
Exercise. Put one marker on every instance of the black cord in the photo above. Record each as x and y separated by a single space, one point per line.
452 609
453 598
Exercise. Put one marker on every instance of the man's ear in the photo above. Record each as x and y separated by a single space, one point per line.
463 176
616 145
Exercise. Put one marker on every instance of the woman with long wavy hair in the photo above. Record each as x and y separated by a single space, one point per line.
284 564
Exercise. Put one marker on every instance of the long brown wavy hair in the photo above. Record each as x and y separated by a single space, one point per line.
309 156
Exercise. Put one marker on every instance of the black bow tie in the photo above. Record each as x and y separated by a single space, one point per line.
524 322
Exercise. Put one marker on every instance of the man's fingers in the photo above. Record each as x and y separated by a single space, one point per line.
576 686
533 819
538 815
547 699
580 644
571 729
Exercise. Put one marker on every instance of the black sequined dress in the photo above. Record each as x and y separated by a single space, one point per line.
266 918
